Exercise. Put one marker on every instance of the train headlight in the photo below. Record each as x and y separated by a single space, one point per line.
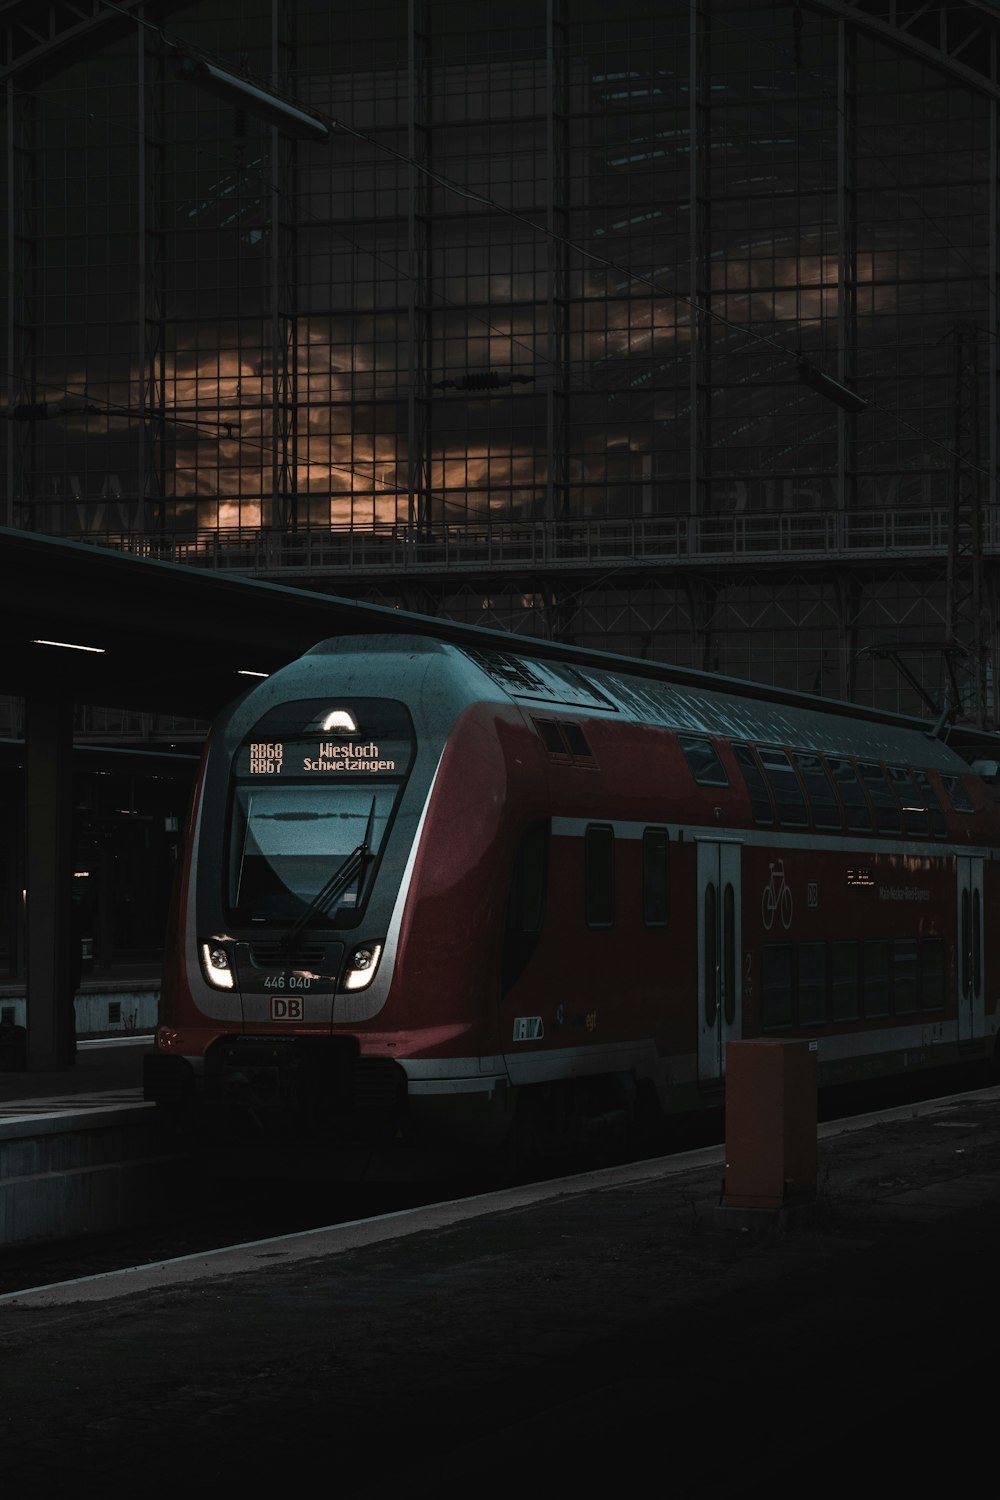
216 964
361 966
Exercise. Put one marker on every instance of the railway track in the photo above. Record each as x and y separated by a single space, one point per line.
223 1214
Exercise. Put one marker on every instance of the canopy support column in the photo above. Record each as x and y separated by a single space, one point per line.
49 744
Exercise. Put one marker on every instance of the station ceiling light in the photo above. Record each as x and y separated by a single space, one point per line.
69 646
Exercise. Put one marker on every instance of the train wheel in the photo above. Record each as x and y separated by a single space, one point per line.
993 1066
648 1123
518 1157
605 1121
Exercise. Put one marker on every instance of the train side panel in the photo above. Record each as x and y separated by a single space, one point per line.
570 904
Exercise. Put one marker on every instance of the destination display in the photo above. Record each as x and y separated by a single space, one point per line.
323 757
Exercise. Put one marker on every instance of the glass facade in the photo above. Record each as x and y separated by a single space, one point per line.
532 338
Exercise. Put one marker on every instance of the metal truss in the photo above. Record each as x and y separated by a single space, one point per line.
959 35
21 269
284 300
817 631
152 403
418 405
967 624
37 33
557 304
699 99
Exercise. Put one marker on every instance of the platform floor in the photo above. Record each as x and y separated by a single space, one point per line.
605 1335
107 1070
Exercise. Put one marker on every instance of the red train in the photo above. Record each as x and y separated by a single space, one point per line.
444 894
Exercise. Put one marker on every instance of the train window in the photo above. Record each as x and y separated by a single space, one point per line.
904 976
964 940
852 795
655 877
776 985
875 978
703 762
819 791
729 953
932 973
287 841
599 875
935 812
883 799
576 740
844 980
565 739
977 944
551 737
957 795
789 801
812 984
525 902
912 800
760 801
711 954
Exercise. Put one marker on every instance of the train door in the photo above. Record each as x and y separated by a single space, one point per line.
719 947
971 1019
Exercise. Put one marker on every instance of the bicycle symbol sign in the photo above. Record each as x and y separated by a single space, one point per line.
776 897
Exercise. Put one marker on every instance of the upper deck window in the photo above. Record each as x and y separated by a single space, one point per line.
760 801
703 761
852 796
930 799
912 802
957 795
883 798
819 791
789 802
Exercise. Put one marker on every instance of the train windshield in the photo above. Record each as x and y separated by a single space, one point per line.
289 843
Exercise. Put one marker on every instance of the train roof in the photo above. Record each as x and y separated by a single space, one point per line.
548 675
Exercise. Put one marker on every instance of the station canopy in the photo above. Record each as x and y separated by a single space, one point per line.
103 627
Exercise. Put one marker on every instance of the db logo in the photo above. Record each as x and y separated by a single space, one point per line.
286 1008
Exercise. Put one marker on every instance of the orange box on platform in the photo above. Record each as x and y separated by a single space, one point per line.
770 1123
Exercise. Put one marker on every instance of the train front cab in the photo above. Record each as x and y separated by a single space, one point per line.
270 1029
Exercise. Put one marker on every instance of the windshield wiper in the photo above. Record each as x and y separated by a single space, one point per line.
353 868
